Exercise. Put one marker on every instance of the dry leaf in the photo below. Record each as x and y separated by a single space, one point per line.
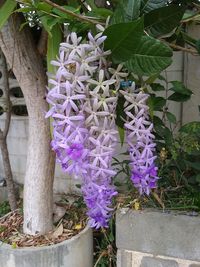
58 231
136 205
78 227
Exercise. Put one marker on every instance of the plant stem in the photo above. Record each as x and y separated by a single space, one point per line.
68 12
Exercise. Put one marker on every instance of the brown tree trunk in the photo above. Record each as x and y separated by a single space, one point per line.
21 54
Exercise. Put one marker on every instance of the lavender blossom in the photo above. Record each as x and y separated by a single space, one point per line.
140 140
83 101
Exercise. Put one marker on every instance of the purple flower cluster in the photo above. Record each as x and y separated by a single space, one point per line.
140 141
83 96
83 101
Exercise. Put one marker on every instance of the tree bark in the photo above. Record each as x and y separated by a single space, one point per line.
8 175
3 136
22 55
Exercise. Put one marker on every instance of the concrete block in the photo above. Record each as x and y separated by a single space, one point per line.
124 258
18 163
192 79
177 64
159 233
61 186
3 194
18 127
157 262
17 146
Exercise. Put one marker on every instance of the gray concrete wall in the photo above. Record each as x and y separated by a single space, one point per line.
192 80
155 239
17 146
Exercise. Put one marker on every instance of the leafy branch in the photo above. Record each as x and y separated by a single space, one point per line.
70 13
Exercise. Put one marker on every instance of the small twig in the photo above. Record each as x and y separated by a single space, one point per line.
103 253
68 12
184 49
155 195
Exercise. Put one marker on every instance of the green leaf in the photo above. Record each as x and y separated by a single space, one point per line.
120 113
53 46
178 97
63 14
163 20
151 57
180 88
44 19
127 10
165 133
25 9
197 178
149 5
158 121
130 35
6 10
181 94
44 7
156 103
121 135
171 117
157 87
101 12
191 128
198 46
194 165
188 39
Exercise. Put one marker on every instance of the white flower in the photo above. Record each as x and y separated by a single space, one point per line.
137 101
102 87
93 114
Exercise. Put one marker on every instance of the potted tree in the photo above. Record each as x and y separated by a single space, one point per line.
96 78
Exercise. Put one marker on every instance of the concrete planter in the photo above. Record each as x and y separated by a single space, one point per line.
76 252
155 239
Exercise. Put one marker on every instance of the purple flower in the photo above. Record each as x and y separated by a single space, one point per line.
75 151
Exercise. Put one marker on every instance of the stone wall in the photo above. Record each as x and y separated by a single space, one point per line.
156 239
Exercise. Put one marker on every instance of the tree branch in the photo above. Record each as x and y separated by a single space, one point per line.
3 135
77 16
180 48
6 94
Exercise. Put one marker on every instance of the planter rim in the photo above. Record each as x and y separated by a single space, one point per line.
65 242
123 211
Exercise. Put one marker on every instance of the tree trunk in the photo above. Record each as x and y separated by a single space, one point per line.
21 54
8 175
3 136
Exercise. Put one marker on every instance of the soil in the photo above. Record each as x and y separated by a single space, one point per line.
73 222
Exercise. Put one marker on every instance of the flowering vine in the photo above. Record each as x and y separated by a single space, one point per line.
83 96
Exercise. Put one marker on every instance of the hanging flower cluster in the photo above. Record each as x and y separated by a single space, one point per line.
83 96
83 100
140 141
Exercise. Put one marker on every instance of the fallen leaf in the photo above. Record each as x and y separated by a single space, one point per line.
58 231
78 227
